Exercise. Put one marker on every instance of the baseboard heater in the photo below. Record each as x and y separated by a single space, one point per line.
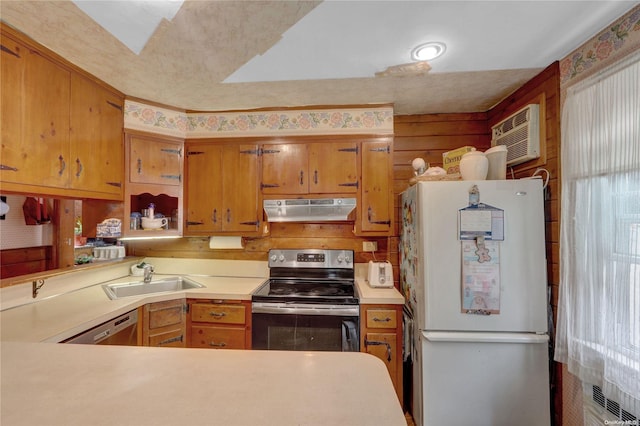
600 410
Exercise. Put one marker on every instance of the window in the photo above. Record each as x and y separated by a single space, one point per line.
598 332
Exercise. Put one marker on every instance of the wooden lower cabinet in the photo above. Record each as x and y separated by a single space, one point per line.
164 324
381 336
219 324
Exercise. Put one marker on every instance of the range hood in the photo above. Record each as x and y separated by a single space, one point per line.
309 210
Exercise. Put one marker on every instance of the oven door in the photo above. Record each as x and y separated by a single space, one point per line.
305 327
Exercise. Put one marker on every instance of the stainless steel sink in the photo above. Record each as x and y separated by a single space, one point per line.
138 288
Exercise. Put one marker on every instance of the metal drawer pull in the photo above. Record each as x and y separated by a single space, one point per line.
3 167
217 314
217 345
377 343
301 177
171 340
387 319
139 165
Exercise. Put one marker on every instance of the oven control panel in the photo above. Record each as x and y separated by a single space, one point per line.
311 258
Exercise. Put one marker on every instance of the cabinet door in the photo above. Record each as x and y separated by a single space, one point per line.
381 335
383 346
240 189
217 313
285 169
376 208
203 189
154 162
333 168
97 147
213 337
164 324
35 118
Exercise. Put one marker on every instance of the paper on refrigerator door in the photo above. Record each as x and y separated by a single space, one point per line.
480 280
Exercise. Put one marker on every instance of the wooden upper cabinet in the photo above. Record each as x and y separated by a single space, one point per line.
154 161
312 168
285 169
375 207
203 188
240 189
35 118
333 168
222 189
97 146
61 134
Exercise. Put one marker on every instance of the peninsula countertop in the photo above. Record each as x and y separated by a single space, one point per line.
53 384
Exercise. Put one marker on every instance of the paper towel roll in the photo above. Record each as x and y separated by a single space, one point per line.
225 243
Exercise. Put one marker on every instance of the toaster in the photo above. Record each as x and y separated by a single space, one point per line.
380 274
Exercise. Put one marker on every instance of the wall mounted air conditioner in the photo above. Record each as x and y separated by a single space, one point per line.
520 133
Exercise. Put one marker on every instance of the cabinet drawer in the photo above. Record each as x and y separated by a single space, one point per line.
162 314
381 318
219 314
217 337
172 338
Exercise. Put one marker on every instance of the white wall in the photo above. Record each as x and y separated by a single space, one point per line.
14 233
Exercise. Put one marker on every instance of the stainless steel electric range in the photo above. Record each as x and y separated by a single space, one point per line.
309 303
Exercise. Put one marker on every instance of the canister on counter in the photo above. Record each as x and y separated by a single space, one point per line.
134 221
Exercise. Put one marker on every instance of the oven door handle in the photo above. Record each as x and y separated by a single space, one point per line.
310 309
350 341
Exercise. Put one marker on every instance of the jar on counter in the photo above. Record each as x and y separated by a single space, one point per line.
135 221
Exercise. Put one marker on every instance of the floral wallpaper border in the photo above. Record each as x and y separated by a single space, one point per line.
614 42
374 120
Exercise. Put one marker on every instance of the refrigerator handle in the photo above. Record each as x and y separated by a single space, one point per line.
480 337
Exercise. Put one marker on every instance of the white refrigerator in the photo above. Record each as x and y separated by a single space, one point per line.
473 272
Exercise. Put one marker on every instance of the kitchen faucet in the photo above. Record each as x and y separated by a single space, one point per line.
148 273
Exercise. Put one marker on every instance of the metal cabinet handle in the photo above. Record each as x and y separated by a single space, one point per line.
4 167
228 215
378 343
79 164
217 345
301 177
214 217
63 165
315 177
9 51
387 319
139 166
217 314
171 340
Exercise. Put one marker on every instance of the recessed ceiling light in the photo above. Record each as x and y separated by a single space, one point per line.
428 51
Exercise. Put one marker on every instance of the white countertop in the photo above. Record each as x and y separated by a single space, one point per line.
58 317
51 384
54 384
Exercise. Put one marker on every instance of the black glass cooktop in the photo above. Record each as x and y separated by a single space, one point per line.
310 291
